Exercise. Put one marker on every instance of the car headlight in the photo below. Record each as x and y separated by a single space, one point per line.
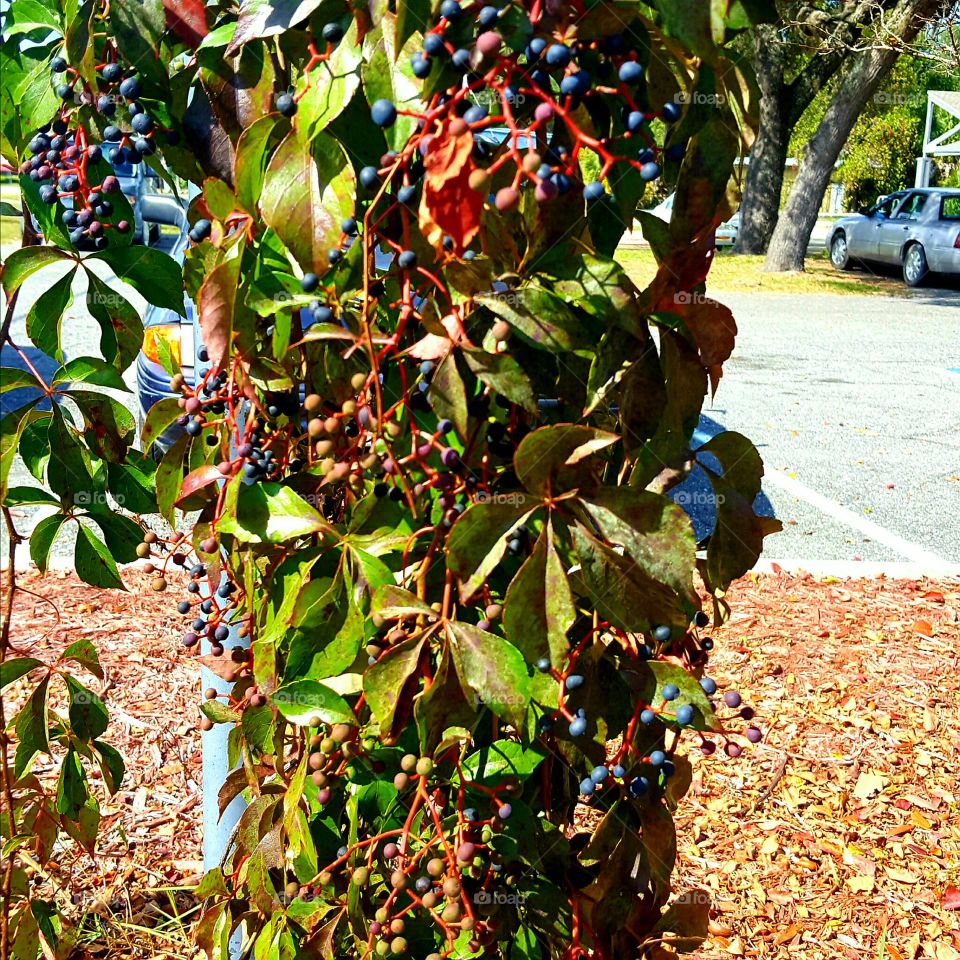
167 334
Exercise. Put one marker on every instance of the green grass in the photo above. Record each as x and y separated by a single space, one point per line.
744 274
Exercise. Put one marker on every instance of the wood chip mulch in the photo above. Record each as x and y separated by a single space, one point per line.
837 837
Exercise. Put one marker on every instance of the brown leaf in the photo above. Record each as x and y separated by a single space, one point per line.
449 206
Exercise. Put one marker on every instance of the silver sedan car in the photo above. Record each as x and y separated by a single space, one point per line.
918 230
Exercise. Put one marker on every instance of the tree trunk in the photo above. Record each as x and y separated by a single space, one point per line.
866 69
764 177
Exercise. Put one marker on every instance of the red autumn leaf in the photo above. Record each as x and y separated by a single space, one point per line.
713 329
198 479
216 304
923 627
950 899
449 206
187 19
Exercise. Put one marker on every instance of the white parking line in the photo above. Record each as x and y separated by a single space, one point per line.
936 565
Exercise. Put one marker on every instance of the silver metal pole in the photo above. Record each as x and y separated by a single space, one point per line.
217 829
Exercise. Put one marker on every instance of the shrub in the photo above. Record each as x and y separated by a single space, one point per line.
426 450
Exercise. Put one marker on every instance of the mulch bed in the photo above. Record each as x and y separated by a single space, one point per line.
838 836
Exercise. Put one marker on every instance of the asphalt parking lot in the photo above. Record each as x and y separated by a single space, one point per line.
853 402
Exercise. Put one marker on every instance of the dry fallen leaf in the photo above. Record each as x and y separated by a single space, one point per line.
950 898
861 883
901 876
869 784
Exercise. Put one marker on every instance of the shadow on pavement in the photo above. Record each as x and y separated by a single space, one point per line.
695 495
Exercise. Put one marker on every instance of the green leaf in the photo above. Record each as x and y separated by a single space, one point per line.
412 16
121 329
505 758
29 496
137 26
308 702
49 216
736 540
448 395
111 765
13 378
383 681
653 530
25 16
620 590
32 728
168 476
85 653
332 85
491 668
538 609
267 18
68 473
539 316
387 75
253 152
46 313
503 375
42 537
218 712
88 715
544 453
156 276
395 602
93 562
122 535
598 286
89 370
132 483
739 460
478 540
327 648
24 431
35 98
164 412
109 425
699 26
11 670
212 884
71 786
268 513
308 190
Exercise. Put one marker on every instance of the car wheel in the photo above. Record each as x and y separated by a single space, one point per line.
915 267
840 252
